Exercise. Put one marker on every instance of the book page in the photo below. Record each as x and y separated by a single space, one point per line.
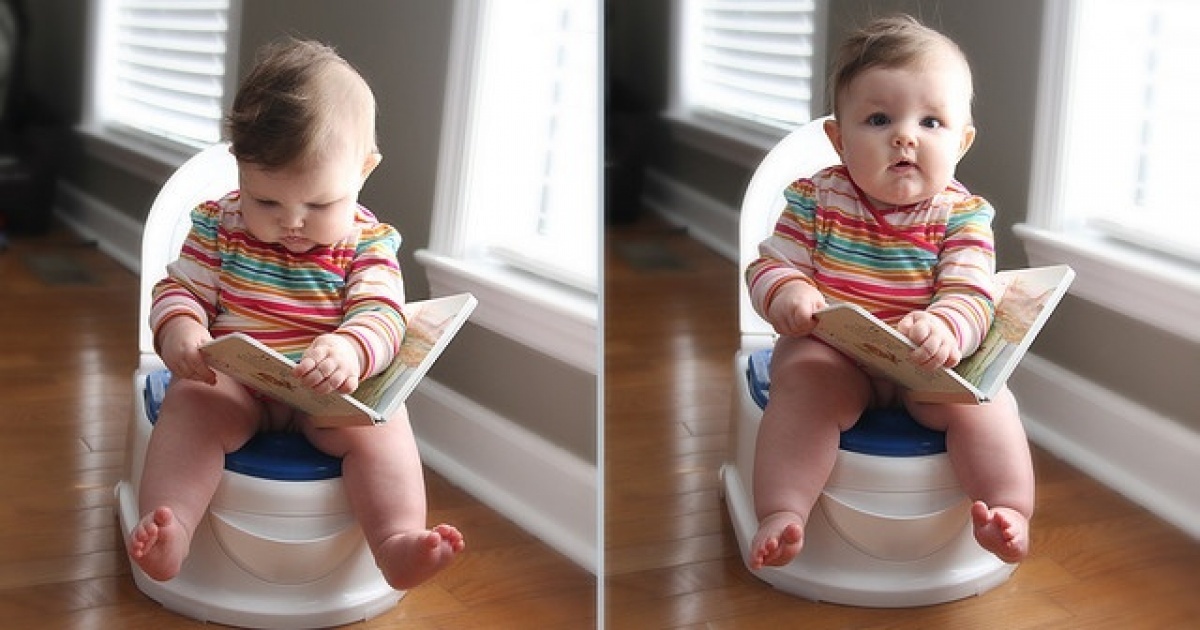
1028 297
431 325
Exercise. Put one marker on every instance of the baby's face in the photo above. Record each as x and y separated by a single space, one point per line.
901 131
302 207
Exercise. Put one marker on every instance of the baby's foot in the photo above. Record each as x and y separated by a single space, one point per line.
410 558
159 544
1002 531
779 538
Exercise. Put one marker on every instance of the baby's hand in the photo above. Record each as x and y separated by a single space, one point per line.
936 344
331 363
791 310
179 341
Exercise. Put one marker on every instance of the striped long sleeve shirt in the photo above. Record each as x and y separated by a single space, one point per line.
231 282
936 255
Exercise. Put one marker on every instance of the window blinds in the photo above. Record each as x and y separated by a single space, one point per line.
167 68
754 60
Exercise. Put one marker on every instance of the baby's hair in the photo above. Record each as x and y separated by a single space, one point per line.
299 95
898 41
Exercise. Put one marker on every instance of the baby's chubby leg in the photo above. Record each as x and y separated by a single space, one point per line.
816 393
197 425
990 455
381 469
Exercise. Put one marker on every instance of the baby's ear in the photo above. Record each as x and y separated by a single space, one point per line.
372 160
833 131
968 138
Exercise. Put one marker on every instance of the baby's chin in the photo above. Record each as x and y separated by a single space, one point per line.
297 245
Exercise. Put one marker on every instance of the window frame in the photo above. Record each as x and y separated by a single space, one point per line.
1140 283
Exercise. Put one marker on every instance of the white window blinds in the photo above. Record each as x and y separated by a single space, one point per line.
753 61
163 68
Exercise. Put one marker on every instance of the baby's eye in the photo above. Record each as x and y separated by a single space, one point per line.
931 122
877 120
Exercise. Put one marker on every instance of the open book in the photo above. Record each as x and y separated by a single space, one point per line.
431 325
1026 299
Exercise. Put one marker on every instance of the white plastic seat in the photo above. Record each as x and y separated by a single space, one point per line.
888 531
270 553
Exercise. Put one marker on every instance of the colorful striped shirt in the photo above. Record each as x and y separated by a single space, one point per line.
936 255
230 281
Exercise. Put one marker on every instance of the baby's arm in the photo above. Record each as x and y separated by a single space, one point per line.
178 342
791 308
331 363
937 345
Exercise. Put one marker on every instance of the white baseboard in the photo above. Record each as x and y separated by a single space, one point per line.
542 488
115 233
707 220
1143 455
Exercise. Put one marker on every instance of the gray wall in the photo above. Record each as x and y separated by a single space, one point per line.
402 47
1002 41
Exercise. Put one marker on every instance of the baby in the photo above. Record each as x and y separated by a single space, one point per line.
891 230
293 260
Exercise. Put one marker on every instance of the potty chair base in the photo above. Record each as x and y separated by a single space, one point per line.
213 588
889 531
830 569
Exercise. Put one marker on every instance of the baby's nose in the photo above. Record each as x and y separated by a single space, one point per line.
291 219
904 138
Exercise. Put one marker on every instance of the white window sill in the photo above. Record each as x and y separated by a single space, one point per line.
741 145
541 315
1158 290
132 152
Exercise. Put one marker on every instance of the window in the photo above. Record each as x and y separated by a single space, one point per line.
535 182
1110 177
160 70
517 210
749 69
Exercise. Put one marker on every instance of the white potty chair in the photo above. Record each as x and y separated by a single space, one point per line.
279 547
892 527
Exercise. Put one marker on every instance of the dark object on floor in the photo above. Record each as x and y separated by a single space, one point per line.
58 269
649 256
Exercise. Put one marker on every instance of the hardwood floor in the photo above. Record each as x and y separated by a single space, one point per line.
1098 560
69 352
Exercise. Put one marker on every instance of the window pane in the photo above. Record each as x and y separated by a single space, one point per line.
1145 145
535 184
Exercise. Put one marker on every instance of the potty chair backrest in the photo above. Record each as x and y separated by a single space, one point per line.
801 153
208 175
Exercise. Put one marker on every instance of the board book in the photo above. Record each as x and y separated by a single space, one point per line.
1026 299
431 326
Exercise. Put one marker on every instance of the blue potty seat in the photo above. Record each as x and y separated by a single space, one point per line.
277 456
882 432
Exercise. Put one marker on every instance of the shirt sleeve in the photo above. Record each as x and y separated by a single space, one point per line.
190 288
785 255
374 302
965 288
